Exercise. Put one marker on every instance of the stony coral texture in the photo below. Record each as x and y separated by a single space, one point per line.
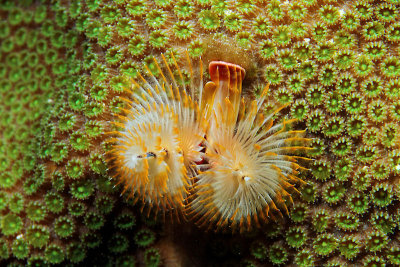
335 63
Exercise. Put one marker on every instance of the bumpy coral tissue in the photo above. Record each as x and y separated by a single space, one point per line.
108 123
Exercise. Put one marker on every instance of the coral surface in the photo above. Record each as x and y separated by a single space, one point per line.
63 73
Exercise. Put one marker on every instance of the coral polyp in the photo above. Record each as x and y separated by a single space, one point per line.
250 174
158 140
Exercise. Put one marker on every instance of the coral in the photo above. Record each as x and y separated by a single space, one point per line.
152 257
63 227
144 238
296 237
65 70
349 247
258 250
325 244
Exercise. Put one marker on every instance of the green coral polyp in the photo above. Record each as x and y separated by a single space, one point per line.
299 110
94 128
321 170
11 224
104 204
393 255
395 111
394 33
97 163
329 14
273 75
287 60
318 146
76 101
94 220
278 254
373 30
386 12
76 252
118 243
75 168
209 20
109 14
67 122
356 125
76 208
54 254
183 30
347 221
196 48
7 180
333 192
349 247
184 9
144 238
303 51
341 146
334 126
376 50
298 213
376 241
125 220
321 220
37 236
158 38
36 211
261 26
233 22
350 21
296 237
92 240
354 103
343 169
358 202
79 141
82 189
152 257
380 169
64 226
381 195
333 102
315 96
383 222
20 248
275 10
325 244
392 89
156 18
377 111
344 59
59 151
282 35
54 202
324 51
92 110
267 49
15 202
390 67
328 75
